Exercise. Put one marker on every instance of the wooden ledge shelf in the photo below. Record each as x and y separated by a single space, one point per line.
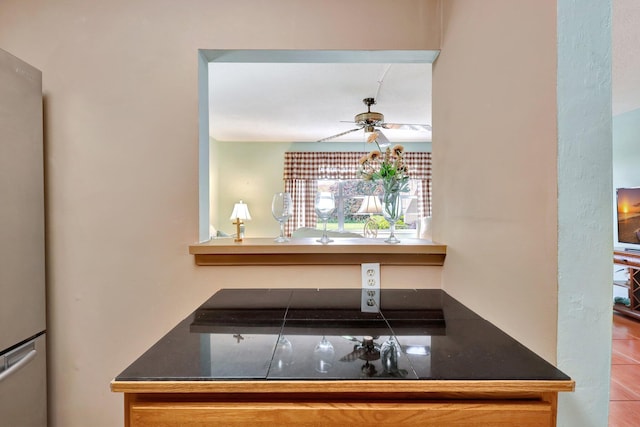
306 251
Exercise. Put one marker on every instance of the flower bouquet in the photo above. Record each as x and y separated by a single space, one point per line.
390 170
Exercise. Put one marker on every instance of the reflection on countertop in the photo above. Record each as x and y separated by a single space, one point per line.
306 334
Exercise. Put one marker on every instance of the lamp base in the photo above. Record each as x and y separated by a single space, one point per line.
239 230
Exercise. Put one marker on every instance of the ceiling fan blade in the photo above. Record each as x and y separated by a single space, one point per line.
407 126
338 135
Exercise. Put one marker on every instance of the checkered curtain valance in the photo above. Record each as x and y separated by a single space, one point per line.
313 165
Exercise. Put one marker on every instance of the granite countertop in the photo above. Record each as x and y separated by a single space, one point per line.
323 334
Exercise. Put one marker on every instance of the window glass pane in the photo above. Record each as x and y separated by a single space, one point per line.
350 214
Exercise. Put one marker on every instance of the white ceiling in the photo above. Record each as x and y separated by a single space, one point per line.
306 102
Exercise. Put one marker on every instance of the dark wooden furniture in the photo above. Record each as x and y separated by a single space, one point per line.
631 260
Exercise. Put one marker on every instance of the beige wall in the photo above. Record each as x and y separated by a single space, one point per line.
120 81
494 157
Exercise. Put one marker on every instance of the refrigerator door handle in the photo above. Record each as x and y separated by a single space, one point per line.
10 367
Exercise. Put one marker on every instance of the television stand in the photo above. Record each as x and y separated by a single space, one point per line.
631 260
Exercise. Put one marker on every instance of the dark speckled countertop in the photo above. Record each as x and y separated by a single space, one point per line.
305 334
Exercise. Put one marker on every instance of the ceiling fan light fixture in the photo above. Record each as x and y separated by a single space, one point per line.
370 134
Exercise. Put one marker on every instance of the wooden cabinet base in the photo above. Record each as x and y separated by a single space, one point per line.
460 409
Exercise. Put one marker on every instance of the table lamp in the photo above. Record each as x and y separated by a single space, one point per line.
370 205
240 213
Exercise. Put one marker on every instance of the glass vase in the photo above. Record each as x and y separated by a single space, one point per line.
391 210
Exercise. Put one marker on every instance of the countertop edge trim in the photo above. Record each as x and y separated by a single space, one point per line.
373 386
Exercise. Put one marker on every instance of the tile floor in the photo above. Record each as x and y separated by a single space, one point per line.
624 401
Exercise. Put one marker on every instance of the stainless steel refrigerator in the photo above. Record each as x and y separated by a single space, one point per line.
23 384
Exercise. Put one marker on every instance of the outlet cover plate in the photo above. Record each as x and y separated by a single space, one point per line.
370 300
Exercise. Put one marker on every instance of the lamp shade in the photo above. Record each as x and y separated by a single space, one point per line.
370 205
241 211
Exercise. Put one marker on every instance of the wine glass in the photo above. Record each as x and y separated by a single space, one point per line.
325 205
323 356
282 209
283 356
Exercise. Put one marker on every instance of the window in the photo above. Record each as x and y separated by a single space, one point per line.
353 197
305 173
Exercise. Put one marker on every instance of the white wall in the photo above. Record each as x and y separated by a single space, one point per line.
584 208
626 158
120 81
626 149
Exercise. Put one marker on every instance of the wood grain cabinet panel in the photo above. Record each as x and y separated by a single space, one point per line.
178 411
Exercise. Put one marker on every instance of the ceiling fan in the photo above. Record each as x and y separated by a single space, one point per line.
372 121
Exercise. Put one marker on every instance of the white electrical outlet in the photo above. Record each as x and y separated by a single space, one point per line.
370 276
370 288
